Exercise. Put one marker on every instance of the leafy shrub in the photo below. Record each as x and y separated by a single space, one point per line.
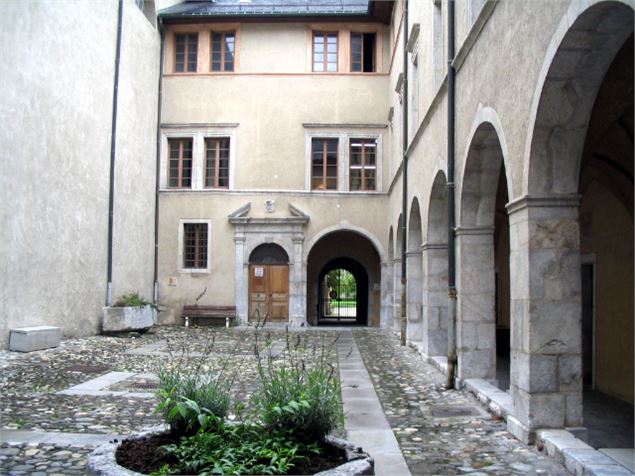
235 449
300 394
187 394
132 299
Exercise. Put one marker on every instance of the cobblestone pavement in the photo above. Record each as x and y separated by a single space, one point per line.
407 388
416 405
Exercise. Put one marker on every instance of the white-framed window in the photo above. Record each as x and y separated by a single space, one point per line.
197 159
195 245
359 161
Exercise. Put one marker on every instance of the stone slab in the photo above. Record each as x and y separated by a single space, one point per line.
29 339
624 456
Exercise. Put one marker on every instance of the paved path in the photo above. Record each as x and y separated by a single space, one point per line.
365 422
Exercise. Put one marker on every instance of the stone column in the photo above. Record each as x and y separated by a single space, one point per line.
546 365
397 295
297 303
414 296
435 298
386 279
476 322
241 271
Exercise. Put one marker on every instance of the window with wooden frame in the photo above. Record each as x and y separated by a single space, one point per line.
324 164
363 164
363 52
223 51
185 52
217 162
195 245
324 51
180 163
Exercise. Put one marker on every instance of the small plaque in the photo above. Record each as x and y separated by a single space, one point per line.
259 272
172 281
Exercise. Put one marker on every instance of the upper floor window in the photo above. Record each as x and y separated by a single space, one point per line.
180 163
324 164
185 52
324 51
223 51
195 245
363 52
217 162
363 164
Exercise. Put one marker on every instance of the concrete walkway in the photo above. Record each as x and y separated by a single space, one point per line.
365 422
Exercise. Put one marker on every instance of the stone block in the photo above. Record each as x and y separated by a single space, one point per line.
535 373
28 339
573 409
520 431
477 364
575 459
570 372
125 319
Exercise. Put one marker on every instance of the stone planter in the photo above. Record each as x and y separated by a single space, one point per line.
103 462
126 319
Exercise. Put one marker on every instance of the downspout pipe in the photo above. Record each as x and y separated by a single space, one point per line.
452 356
404 204
155 294
113 154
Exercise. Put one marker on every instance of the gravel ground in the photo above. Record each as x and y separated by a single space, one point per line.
408 389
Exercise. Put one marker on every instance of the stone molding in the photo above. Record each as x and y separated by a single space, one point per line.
434 246
474 230
542 201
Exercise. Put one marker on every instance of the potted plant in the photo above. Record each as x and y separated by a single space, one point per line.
130 312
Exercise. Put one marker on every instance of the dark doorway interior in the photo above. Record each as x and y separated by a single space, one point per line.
332 300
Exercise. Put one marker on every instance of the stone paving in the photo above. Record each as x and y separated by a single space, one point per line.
409 390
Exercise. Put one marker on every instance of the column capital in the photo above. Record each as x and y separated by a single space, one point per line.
543 201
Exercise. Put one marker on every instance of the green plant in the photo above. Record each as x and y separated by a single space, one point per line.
221 448
300 393
188 394
132 299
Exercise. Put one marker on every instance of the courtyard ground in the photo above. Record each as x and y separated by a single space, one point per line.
58 404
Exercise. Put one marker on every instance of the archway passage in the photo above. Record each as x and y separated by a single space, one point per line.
606 251
356 254
343 293
269 283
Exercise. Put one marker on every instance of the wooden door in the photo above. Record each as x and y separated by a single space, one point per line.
269 292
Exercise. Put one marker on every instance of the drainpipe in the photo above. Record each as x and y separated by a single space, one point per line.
155 295
113 140
452 359
404 205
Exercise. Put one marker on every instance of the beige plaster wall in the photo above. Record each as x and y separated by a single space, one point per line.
56 122
607 235
327 211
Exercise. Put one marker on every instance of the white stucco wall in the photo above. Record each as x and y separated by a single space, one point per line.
57 74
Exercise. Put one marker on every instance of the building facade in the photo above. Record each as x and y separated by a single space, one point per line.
279 148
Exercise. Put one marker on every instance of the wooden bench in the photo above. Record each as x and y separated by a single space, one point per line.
208 315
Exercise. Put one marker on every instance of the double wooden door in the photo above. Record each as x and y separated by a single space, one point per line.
269 292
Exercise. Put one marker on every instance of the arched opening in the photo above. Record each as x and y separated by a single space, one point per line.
606 251
413 263
581 143
269 283
356 254
343 293
435 271
480 251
